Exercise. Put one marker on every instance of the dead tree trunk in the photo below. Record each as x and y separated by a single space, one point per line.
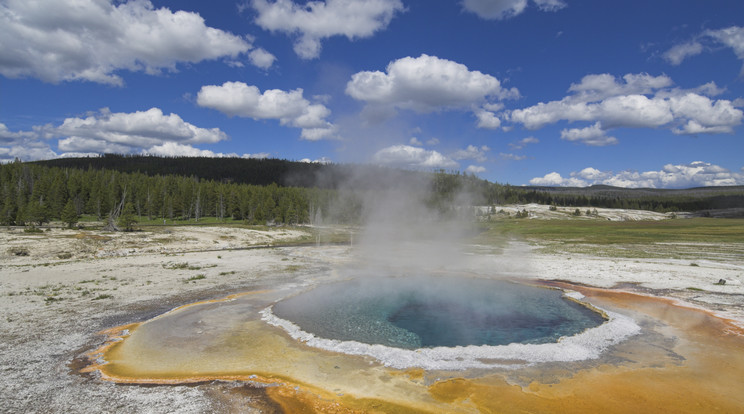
115 213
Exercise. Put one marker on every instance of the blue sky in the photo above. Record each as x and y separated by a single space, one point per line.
542 92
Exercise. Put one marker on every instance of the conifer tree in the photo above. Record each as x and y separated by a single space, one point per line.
127 220
69 214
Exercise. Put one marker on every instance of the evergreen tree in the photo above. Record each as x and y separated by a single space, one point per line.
69 214
127 220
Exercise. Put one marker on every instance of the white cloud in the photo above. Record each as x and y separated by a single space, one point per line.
24 145
487 120
91 40
680 52
122 132
258 155
550 5
472 153
596 87
705 115
731 37
261 58
505 9
475 169
554 179
173 149
695 174
433 141
592 135
412 157
512 157
415 142
289 108
608 103
428 84
314 21
105 131
523 143
321 160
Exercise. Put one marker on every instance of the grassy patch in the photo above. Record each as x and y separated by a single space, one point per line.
695 289
180 266
103 296
697 230
692 239
195 278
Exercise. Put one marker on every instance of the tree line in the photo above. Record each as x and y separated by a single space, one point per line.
259 191
35 194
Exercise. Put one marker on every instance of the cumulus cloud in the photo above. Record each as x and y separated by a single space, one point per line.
475 169
24 145
592 135
106 131
314 21
695 174
289 108
428 84
173 149
261 58
91 40
505 9
321 160
730 37
639 101
412 157
472 153
487 119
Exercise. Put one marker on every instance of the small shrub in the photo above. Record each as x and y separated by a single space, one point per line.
65 255
18 251
694 264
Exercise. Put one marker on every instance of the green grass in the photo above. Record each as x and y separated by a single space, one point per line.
194 278
103 296
691 239
698 230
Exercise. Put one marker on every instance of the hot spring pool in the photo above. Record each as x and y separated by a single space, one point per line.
447 321
416 313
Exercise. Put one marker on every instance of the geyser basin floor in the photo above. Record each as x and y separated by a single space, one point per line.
684 360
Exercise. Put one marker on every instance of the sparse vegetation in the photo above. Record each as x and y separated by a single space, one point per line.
195 278
18 251
103 296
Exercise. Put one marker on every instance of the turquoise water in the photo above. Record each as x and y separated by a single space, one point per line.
428 312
